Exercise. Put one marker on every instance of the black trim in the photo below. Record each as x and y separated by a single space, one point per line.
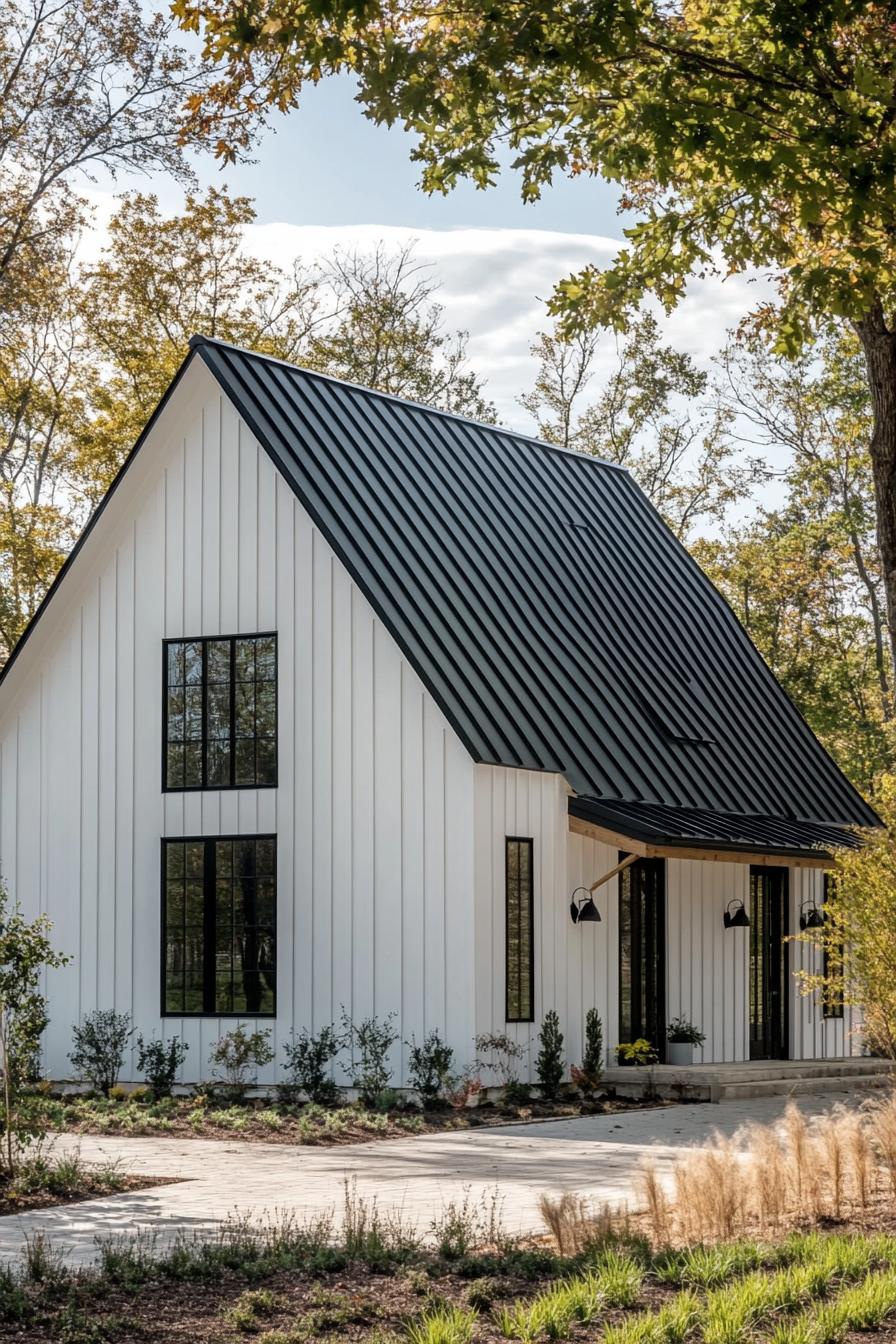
769 987
643 885
527 842
208 931
205 640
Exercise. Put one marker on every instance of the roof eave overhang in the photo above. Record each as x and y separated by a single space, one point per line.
657 846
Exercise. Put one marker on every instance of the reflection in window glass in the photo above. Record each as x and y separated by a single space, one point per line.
220 926
221 713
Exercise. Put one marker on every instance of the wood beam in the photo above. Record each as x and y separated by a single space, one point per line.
642 849
629 858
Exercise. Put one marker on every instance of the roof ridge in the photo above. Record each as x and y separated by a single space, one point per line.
197 340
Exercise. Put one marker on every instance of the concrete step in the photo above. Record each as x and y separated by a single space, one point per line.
798 1087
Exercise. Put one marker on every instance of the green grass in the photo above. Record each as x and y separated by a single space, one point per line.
809 1288
445 1325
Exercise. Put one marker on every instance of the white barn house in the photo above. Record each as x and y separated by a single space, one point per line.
339 699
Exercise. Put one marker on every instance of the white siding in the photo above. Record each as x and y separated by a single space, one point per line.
374 808
577 966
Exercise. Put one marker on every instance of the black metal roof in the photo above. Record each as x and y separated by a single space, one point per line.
690 827
551 613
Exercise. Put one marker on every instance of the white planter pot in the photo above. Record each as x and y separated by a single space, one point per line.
679 1052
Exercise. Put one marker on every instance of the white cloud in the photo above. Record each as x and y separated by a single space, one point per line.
494 283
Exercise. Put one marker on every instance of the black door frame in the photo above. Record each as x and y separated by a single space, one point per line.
645 878
769 964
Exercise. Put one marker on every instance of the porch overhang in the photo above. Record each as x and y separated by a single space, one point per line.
652 830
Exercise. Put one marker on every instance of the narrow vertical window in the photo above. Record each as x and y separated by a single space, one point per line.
642 952
520 951
220 724
832 963
219 941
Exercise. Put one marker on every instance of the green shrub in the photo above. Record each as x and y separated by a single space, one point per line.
516 1093
251 1307
387 1100
445 1325
429 1067
370 1040
99 1045
159 1062
308 1057
593 1058
549 1065
236 1058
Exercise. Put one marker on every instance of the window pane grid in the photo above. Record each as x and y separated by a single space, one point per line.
519 915
221 713
219 926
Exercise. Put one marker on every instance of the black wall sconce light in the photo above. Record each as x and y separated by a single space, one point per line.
811 918
582 909
736 918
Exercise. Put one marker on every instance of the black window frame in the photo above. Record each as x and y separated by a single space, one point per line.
205 640
641 887
209 927
831 1011
529 981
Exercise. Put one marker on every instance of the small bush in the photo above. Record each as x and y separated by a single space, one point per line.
159 1061
445 1325
250 1308
100 1043
502 1056
236 1058
549 1065
308 1057
588 1076
371 1039
516 1093
429 1067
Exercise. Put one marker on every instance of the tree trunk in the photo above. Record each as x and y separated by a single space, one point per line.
879 347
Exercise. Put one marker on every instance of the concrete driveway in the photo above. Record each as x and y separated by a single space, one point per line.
597 1156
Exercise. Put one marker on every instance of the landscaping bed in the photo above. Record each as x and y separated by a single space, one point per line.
263 1120
295 1287
43 1181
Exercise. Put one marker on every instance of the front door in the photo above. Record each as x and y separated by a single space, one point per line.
768 963
642 953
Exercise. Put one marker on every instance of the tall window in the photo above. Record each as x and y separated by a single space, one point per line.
219 926
642 952
832 963
220 727
520 951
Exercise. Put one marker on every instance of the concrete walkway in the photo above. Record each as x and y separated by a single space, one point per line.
596 1156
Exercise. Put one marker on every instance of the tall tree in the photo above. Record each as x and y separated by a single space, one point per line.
746 133
98 350
805 578
386 331
85 86
159 280
653 414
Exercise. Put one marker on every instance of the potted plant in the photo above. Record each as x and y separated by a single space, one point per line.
682 1036
639 1052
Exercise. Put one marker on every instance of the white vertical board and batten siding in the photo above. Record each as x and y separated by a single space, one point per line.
812 1035
374 806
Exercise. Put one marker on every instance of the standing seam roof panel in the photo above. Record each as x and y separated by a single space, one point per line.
553 652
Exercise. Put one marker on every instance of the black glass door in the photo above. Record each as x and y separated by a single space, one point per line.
768 963
642 953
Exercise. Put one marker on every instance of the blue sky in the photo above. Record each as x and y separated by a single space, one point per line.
327 164
326 177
